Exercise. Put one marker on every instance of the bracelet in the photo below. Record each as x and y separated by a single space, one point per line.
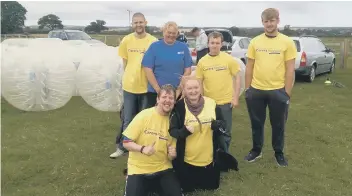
142 149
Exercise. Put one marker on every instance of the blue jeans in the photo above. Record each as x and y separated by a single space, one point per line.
133 104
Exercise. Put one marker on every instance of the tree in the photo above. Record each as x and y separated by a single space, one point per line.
50 21
96 27
13 15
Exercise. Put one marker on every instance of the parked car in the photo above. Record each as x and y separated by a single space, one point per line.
228 39
226 44
240 47
73 35
313 57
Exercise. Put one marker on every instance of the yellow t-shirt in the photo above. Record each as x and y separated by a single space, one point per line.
217 73
132 49
146 128
270 55
199 145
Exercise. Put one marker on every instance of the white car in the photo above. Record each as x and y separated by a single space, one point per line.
239 48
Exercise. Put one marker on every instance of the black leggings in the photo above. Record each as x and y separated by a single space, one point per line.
165 183
198 178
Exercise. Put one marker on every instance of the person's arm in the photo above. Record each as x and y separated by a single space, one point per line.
200 76
204 41
171 149
148 64
176 131
124 64
131 134
236 80
122 51
249 65
290 57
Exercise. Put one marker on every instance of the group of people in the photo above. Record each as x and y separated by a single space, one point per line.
176 127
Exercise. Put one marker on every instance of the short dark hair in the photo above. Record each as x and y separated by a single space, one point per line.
195 29
216 34
138 14
168 88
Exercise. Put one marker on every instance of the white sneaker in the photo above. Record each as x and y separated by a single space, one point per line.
116 154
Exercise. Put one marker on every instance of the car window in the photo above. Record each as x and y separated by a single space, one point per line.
78 36
298 46
54 35
310 45
245 43
241 44
62 36
320 46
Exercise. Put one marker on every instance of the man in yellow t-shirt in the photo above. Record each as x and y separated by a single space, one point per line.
134 81
269 81
152 149
217 70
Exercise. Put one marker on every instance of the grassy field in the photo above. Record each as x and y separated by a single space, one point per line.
66 151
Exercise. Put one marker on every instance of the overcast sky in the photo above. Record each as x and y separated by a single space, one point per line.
216 14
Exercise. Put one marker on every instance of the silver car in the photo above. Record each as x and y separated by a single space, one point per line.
313 57
240 47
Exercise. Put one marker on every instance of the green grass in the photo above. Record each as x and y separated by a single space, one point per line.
65 152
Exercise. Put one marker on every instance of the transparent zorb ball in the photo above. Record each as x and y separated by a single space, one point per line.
99 79
38 77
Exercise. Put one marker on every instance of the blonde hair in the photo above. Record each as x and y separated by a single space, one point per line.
168 25
185 79
270 13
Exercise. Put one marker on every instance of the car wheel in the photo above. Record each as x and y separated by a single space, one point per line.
332 68
311 75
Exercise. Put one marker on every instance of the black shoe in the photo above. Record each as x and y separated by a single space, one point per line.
281 161
252 156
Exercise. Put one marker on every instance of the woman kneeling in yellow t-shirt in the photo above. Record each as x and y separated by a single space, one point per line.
194 126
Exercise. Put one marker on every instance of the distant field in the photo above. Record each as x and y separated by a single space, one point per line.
114 40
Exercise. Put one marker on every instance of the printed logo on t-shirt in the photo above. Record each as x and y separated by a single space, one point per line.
203 121
269 51
136 50
155 133
181 52
215 68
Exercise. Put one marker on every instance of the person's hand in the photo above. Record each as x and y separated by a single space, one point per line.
190 129
234 103
171 151
149 150
288 92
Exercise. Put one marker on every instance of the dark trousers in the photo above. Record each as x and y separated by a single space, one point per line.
278 103
202 53
165 183
224 112
194 178
133 104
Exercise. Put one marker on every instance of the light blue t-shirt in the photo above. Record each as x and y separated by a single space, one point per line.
167 61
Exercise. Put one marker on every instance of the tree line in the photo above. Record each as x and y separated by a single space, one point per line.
13 16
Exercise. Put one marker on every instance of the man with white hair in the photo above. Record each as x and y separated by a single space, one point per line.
165 62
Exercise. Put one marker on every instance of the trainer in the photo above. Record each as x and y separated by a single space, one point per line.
269 82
